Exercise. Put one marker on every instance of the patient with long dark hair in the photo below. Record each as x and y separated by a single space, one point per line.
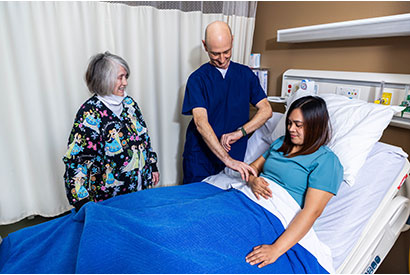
304 166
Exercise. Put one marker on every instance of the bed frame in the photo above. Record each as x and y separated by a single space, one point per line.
383 228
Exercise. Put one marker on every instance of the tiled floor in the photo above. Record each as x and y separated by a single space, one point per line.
7 229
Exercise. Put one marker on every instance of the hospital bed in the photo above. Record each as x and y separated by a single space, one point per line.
374 219
361 223
200 228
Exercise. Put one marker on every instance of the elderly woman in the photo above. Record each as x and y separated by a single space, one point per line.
305 167
109 150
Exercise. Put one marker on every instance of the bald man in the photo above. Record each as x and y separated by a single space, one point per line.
217 95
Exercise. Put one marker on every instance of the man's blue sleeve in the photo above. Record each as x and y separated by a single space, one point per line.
194 95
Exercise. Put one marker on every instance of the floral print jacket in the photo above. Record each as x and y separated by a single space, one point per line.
108 155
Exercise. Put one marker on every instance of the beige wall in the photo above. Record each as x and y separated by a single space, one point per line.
382 55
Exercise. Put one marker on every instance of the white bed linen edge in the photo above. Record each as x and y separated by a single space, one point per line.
283 206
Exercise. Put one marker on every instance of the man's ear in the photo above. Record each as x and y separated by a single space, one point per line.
203 42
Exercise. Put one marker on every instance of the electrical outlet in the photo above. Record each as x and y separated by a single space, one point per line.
350 92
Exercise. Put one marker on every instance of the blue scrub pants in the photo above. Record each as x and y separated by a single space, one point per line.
197 169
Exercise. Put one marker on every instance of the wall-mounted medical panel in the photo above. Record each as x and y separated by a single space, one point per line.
387 89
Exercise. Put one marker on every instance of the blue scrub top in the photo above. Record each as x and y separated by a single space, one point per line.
226 101
320 170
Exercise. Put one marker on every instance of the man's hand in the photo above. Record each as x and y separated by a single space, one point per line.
228 139
260 187
204 128
243 168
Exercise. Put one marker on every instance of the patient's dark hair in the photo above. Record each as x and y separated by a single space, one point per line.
316 125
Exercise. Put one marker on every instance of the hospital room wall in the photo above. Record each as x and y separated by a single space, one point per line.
381 55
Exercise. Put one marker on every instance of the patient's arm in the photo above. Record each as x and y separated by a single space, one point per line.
208 134
315 202
258 185
262 115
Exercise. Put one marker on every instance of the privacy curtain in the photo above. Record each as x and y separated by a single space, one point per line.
44 51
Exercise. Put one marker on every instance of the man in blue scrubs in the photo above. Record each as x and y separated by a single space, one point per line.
217 95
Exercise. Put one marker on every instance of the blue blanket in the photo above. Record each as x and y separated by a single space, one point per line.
194 228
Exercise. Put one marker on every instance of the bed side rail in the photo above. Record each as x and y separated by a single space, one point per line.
382 230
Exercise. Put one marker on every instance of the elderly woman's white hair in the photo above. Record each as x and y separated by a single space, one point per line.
102 72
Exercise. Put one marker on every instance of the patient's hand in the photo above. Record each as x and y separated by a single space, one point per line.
260 188
230 138
262 255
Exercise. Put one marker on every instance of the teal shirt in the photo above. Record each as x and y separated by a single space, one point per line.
320 170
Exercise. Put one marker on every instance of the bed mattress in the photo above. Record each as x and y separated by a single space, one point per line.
347 214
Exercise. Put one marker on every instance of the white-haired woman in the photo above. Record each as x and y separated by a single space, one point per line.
109 150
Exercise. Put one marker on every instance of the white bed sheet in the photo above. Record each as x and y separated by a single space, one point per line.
346 214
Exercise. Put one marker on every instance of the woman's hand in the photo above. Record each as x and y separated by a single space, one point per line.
155 178
260 188
262 255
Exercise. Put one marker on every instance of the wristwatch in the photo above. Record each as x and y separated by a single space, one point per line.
244 133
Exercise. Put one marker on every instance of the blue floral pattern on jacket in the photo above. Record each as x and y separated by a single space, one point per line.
108 155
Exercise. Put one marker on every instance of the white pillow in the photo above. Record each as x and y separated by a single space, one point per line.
259 142
356 126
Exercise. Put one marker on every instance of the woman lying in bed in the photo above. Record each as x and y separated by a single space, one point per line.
304 166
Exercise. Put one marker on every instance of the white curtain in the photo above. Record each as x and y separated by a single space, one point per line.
44 50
